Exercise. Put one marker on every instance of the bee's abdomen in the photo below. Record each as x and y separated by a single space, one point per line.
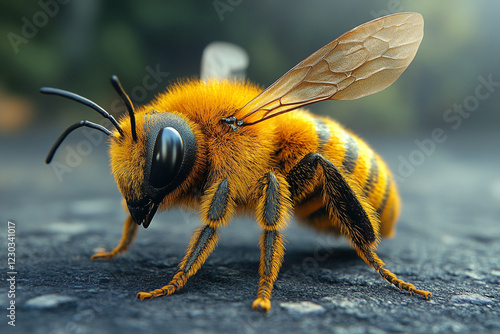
358 162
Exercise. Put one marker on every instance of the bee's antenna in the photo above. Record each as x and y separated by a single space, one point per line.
59 140
84 101
130 107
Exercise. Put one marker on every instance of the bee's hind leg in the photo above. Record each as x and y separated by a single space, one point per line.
356 218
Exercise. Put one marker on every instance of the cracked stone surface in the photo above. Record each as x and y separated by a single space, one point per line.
447 241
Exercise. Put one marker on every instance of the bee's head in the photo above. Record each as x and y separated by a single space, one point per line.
152 153
154 166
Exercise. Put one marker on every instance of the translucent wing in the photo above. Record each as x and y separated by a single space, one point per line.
361 62
221 60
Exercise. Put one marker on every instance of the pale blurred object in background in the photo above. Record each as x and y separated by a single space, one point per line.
221 60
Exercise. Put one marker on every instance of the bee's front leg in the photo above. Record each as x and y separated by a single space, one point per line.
128 236
217 206
273 209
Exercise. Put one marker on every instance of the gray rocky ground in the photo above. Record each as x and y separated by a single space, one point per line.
447 242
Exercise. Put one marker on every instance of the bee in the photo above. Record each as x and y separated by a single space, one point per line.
220 148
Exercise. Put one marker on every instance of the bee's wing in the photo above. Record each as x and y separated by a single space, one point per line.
221 60
363 61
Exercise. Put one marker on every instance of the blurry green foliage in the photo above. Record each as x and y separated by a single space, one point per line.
87 41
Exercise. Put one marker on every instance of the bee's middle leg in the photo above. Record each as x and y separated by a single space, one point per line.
273 210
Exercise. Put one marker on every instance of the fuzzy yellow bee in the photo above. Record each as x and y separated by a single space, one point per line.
220 148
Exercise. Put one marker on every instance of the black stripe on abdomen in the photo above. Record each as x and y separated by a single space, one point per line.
372 179
351 153
323 132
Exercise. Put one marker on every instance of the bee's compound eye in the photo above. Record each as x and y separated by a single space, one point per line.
167 157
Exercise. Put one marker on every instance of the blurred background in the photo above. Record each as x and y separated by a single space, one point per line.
452 84
76 45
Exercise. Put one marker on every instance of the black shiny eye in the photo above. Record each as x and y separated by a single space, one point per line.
167 157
